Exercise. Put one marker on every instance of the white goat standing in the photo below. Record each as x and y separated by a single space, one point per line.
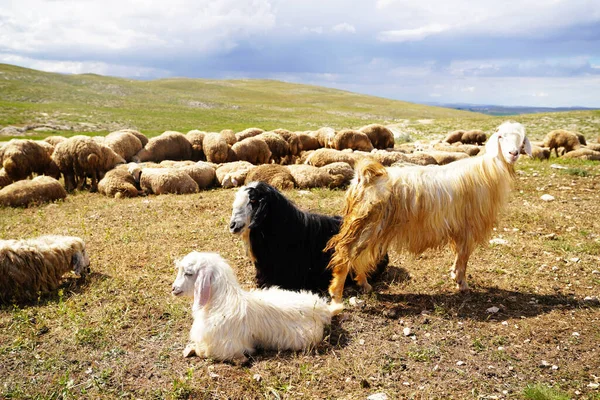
230 322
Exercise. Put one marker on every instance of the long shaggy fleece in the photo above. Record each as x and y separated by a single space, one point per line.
41 189
418 208
230 323
32 266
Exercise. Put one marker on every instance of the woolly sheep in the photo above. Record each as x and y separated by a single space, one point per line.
352 139
340 168
584 154
540 153
421 158
253 150
215 148
581 138
170 145
471 150
593 146
307 141
325 136
201 172
280 149
274 174
387 158
142 138
473 137
454 136
293 141
230 322
163 180
229 136
32 266
446 157
54 140
118 183
124 143
196 137
380 136
22 158
4 178
323 157
248 133
41 189
561 138
233 174
307 176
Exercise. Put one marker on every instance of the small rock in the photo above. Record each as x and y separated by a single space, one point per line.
551 236
510 368
500 348
593 385
493 310
558 166
460 363
544 364
213 375
406 331
547 197
348 380
361 342
596 272
406 383
378 396
355 302
575 259
504 323
576 334
555 367
257 377
499 241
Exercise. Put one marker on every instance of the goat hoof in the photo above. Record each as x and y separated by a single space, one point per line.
463 287
189 351
367 288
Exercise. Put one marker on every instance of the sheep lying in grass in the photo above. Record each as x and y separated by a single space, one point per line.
273 174
170 145
196 137
584 154
118 183
293 141
447 157
280 149
561 138
380 136
307 141
540 153
254 150
33 266
454 136
417 208
233 174
163 180
322 157
5 180
41 189
215 147
231 323
352 139
473 137
307 176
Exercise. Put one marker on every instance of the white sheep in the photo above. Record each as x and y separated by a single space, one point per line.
118 183
230 323
169 145
33 266
233 174
163 180
41 189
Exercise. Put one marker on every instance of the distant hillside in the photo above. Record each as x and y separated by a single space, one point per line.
507 110
90 103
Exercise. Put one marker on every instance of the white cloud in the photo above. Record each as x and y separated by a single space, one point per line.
316 29
410 35
469 89
77 67
540 94
344 27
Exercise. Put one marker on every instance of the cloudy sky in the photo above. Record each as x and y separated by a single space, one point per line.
509 52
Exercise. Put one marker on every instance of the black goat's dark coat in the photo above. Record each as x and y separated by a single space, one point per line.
288 243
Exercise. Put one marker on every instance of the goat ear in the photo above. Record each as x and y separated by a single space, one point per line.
492 147
202 289
527 146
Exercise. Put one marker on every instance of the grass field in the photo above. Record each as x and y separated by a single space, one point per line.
120 333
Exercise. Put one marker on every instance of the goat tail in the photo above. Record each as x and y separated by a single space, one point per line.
360 243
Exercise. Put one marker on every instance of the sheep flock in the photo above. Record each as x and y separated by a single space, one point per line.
126 163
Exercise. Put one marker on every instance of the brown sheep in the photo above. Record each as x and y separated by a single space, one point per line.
581 138
229 136
280 149
4 178
196 137
233 174
583 154
561 138
142 138
340 168
254 150
380 136
387 158
307 141
274 174
469 149
446 157
215 148
307 176
325 136
322 157
292 139
248 133
537 152
474 137
169 145
454 136
118 183
593 146
54 140
22 158
124 143
352 139
41 189
421 158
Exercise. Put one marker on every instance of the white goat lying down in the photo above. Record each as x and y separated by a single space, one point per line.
230 322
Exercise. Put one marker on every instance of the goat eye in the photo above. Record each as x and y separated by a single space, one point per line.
188 274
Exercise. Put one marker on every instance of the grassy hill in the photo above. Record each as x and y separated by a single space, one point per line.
96 104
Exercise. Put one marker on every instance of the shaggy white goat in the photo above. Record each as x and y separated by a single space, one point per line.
417 208
230 322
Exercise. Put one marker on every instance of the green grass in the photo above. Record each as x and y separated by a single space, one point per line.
544 392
